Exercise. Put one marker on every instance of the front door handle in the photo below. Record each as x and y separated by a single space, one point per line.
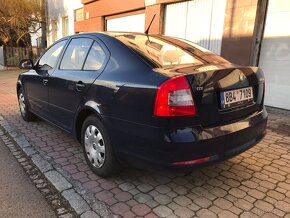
44 81
80 86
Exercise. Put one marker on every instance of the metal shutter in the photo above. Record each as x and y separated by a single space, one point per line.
200 21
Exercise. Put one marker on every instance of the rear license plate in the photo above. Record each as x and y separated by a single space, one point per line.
236 97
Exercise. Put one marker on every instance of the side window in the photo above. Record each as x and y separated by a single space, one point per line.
75 54
51 56
96 58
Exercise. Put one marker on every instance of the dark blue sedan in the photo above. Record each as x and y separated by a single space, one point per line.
145 100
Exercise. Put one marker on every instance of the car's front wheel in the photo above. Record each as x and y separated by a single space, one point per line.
23 106
97 147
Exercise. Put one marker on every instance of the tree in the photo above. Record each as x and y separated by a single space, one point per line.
19 18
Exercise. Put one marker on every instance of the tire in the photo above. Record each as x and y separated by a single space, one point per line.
97 147
24 107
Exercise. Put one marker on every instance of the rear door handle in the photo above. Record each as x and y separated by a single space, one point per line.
44 81
80 86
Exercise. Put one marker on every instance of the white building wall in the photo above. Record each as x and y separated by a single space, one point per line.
2 67
56 10
35 36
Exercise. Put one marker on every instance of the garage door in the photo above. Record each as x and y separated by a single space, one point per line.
275 54
200 21
132 23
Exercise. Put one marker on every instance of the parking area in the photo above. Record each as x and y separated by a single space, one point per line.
253 184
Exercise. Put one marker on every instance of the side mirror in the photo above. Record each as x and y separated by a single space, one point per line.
26 64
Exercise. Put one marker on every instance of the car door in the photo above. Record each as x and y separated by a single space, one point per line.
36 83
82 62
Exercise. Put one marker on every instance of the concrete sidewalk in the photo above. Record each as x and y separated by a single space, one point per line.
18 196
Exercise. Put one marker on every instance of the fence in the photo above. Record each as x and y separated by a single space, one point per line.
11 56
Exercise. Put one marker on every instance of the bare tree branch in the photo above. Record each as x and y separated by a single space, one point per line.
18 19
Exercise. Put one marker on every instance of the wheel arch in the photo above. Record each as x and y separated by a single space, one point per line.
83 113
18 87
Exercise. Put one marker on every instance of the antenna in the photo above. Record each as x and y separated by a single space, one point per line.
147 30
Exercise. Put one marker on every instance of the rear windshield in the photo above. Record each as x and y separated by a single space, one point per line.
207 55
158 51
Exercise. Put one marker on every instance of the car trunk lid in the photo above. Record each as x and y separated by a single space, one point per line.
208 84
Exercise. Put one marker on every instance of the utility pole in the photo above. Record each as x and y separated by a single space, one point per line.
43 42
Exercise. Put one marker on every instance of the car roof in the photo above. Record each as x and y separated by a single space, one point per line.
112 33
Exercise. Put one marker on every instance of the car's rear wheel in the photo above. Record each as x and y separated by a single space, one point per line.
97 147
24 108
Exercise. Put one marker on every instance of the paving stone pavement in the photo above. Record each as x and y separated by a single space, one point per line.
254 184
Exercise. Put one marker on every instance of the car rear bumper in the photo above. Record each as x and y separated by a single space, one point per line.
186 148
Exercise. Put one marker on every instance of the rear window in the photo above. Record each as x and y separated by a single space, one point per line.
207 55
158 51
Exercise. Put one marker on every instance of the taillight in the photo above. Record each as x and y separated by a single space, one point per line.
190 162
174 98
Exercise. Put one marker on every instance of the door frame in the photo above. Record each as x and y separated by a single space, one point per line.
258 35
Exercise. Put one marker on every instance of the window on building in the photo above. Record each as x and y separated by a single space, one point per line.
79 14
96 58
75 54
54 30
65 26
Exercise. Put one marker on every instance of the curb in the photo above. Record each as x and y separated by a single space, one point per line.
83 204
